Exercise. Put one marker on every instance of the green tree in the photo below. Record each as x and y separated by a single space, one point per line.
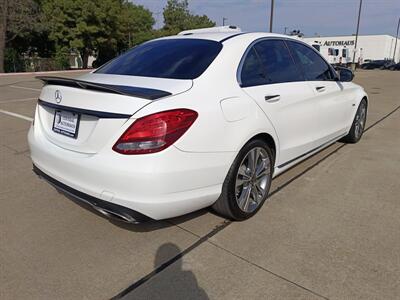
95 26
82 25
135 27
104 28
136 24
17 17
177 17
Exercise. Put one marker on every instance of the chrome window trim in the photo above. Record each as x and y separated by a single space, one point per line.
240 66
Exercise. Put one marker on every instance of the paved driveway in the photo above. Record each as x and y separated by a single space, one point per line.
331 228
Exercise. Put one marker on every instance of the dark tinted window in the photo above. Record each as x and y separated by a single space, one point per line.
170 58
317 47
314 67
276 60
252 71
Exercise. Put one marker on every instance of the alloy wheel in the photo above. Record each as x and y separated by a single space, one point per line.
253 179
360 120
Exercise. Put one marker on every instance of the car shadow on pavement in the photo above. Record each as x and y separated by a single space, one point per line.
168 281
147 226
154 224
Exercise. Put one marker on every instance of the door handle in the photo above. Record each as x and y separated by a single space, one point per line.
272 98
320 88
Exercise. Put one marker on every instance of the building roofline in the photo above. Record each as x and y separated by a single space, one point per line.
348 35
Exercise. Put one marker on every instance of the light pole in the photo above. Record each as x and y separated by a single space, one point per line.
355 44
271 18
223 21
395 44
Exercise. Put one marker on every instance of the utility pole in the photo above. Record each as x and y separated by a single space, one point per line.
395 44
223 21
271 18
355 44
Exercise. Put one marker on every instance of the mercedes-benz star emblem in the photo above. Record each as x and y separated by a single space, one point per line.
58 96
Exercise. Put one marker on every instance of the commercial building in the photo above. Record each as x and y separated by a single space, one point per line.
340 49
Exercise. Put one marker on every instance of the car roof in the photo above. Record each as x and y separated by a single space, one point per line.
223 36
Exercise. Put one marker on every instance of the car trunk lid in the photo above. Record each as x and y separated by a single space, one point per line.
83 114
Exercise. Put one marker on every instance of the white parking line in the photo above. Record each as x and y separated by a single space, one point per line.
24 88
16 115
18 100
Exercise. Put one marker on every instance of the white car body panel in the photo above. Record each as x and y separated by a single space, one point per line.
173 86
185 181
189 174
220 29
333 107
290 116
93 132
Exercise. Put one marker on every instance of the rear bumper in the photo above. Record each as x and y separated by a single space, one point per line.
158 186
108 209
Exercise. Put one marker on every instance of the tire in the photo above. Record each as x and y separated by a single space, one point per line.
358 125
242 194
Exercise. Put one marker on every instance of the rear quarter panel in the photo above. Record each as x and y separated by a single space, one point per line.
228 117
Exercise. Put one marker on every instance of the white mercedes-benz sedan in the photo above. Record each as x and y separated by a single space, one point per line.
180 123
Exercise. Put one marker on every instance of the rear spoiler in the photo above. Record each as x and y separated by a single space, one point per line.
140 92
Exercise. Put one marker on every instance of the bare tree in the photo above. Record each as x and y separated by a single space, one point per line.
16 16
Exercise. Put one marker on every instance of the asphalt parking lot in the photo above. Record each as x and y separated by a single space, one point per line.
331 228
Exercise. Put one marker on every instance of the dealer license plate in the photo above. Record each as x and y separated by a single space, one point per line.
66 123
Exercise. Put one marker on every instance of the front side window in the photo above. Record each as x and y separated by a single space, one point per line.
314 66
168 58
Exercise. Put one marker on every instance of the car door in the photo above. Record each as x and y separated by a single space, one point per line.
269 75
331 99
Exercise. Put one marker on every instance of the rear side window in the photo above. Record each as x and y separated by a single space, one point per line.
277 62
313 65
269 62
252 71
169 58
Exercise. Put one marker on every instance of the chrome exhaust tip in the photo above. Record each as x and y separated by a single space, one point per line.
115 215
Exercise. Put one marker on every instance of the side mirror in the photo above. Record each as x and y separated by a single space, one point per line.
345 74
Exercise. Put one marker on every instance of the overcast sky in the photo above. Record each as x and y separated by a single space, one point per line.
324 17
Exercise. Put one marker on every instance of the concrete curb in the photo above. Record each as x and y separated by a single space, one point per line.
44 73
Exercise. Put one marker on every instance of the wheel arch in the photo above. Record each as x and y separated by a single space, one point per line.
266 137
361 95
366 99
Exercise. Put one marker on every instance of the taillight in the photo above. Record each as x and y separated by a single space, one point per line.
155 132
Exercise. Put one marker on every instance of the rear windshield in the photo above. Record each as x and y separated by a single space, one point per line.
170 58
